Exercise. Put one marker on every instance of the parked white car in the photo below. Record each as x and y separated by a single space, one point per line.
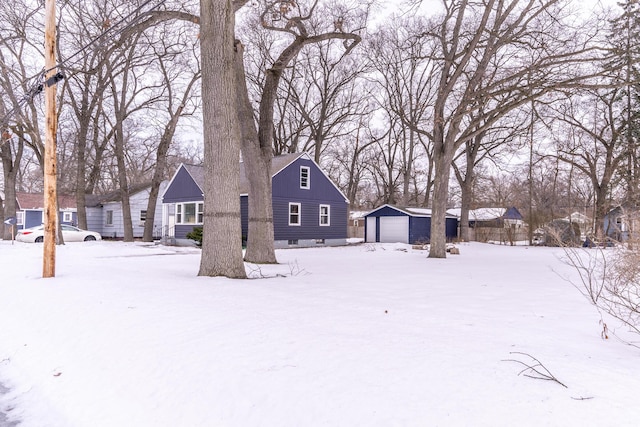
69 234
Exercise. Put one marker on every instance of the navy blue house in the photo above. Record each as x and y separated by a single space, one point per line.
391 224
308 208
30 210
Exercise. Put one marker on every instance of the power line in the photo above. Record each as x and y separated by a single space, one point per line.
38 85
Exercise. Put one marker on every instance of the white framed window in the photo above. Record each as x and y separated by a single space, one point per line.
143 216
20 218
295 210
200 213
67 216
109 220
190 213
325 215
305 178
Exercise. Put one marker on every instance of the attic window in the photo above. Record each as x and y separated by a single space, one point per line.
304 177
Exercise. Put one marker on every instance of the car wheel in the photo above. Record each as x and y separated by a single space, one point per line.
89 239
39 239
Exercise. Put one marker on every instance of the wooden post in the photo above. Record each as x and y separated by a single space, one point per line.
50 180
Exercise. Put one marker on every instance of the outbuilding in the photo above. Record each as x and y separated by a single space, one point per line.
391 224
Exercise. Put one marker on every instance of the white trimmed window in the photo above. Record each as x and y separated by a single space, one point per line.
190 213
143 216
109 221
305 181
20 218
325 215
294 213
67 216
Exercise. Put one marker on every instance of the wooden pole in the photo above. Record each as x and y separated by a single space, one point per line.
50 184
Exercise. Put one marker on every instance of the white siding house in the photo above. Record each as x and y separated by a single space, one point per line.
112 220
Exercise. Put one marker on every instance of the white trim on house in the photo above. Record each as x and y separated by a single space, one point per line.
197 213
297 214
326 215
305 177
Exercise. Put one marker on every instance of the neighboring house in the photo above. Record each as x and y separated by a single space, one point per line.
622 222
104 213
391 224
308 208
30 209
495 224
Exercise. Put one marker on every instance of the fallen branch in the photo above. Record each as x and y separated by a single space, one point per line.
534 369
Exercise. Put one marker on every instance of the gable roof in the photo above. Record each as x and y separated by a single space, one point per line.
411 211
35 201
278 164
116 195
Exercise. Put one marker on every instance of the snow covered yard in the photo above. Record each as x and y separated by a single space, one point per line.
365 335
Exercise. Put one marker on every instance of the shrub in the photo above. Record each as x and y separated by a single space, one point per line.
196 235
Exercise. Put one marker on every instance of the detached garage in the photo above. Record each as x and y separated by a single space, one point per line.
391 224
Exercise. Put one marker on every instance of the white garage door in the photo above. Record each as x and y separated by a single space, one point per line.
394 229
371 229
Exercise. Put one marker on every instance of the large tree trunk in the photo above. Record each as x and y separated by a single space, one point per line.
10 166
257 167
438 239
222 243
124 184
10 170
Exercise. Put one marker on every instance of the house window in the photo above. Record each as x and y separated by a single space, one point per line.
20 218
67 216
200 213
325 214
109 221
143 216
294 213
190 213
292 242
304 177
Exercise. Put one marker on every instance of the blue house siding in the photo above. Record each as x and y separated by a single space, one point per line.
32 218
182 189
309 227
181 231
244 216
286 183
419 229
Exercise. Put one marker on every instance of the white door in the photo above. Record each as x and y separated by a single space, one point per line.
371 229
394 229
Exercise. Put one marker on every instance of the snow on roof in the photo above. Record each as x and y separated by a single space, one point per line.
480 214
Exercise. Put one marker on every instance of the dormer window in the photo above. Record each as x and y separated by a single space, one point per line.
304 177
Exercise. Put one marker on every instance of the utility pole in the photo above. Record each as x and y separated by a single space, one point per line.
50 169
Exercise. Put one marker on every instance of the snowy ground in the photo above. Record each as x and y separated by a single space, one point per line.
366 335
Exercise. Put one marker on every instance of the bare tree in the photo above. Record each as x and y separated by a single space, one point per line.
475 40
180 79
292 20
592 139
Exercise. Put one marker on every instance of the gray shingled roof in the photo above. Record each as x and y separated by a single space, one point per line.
277 164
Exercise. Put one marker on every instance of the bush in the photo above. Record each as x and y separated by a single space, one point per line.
196 235
610 280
